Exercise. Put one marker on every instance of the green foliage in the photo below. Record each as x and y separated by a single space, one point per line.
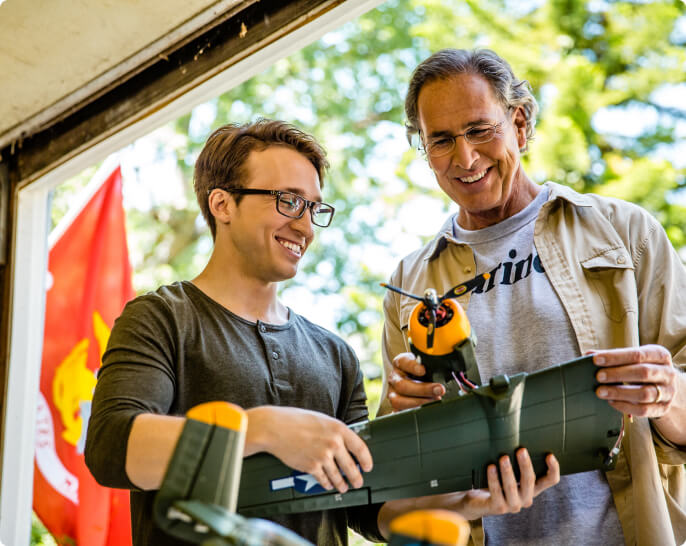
585 61
348 90
39 534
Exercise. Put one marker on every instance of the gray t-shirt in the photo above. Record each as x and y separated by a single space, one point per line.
521 325
176 348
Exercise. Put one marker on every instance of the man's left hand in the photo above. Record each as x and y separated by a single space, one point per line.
640 381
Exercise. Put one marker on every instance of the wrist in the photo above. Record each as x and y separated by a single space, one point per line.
257 436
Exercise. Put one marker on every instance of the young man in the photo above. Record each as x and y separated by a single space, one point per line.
226 336
570 274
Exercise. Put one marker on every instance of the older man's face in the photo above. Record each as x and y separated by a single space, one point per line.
486 180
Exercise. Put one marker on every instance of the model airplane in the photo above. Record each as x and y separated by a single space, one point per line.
447 445
197 499
439 447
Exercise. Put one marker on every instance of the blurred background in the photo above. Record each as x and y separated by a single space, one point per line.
610 79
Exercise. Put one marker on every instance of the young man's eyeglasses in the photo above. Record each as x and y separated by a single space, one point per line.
445 144
293 205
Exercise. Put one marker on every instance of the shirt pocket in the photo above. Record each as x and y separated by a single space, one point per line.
611 276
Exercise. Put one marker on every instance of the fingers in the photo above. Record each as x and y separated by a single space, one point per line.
334 475
655 354
498 505
551 478
527 477
505 492
316 444
405 392
508 496
637 373
653 394
321 475
639 381
341 466
510 487
355 445
409 363
650 399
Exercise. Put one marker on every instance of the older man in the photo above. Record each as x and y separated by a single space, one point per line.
569 274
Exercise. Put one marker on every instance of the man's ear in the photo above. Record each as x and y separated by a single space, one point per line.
519 123
222 205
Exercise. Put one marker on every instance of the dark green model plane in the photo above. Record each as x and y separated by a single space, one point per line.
439 447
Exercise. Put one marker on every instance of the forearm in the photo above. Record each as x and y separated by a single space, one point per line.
672 425
457 502
260 435
153 438
151 444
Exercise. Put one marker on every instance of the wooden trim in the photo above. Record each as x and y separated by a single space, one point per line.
220 47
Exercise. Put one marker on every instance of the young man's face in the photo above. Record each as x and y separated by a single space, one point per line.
484 179
269 244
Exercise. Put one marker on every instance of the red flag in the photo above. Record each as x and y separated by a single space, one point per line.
89 281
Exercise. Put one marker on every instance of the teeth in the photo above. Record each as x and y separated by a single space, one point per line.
477 176
291 246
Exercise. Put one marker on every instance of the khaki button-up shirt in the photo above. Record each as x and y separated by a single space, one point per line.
622 285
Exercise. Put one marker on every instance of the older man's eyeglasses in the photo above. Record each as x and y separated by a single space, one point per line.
445 144
293 205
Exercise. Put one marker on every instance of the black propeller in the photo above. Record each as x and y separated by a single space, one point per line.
433 302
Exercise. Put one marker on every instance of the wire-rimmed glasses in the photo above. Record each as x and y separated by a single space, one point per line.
443 145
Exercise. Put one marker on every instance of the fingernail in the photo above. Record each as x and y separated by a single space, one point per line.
438 391
599 359
602 376
602 393
506 462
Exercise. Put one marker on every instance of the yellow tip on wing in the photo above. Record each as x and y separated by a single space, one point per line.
224 414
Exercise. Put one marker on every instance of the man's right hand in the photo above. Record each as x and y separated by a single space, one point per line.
310 442
405 392
503 496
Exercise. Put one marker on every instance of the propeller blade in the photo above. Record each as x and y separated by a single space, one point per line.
399 291
431 329
465 287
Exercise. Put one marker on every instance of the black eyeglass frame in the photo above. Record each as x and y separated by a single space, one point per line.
493 130
277 196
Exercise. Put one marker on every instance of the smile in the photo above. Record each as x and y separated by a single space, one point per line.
475 178
293 247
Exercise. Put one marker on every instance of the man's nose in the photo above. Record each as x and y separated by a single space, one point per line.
465 154
304 225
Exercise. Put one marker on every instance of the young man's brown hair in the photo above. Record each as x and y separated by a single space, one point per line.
221 163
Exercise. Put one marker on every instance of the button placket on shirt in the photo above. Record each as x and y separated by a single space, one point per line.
273 354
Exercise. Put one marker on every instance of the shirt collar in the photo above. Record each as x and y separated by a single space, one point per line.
558 191
555 191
